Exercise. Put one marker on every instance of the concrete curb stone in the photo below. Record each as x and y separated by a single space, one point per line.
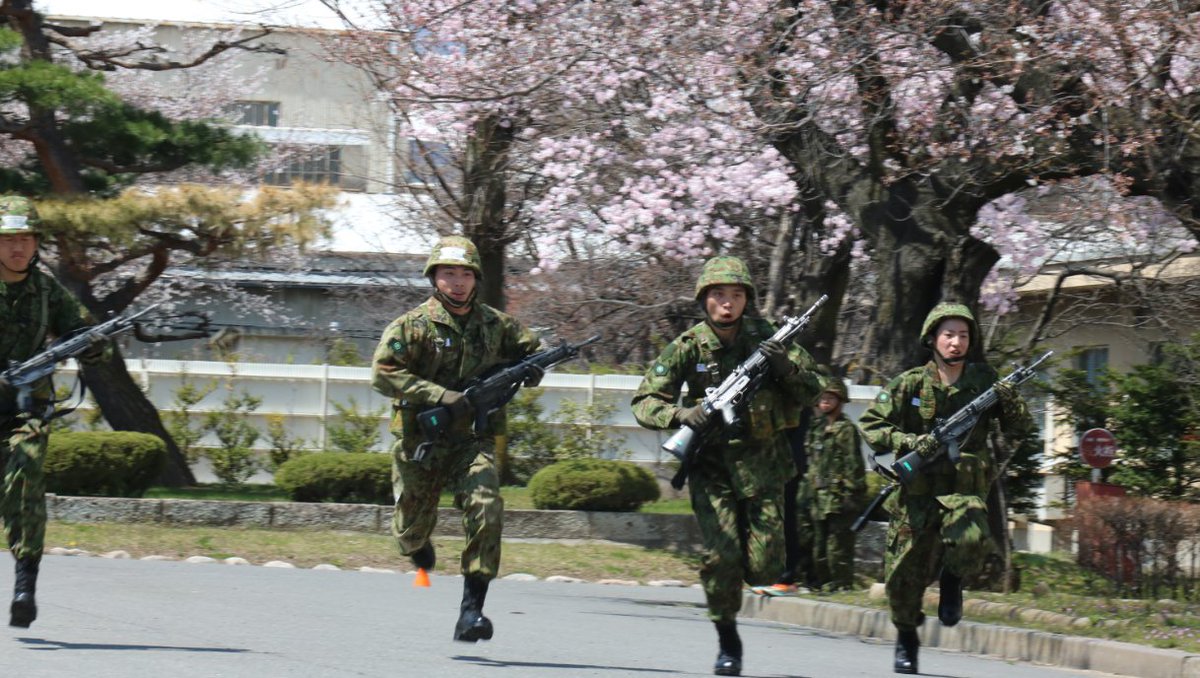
1014 644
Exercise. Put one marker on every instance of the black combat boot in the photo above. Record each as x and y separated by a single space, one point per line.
907 645
424 557
24 608
472 625
950 604
729 659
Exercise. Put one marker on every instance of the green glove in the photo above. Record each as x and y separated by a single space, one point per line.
456 402
694 417
777 357
924 445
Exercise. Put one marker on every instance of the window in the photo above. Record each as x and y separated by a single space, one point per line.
1093 361
323 166
427 160
256 113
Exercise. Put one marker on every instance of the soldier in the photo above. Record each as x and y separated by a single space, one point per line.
425 358
837 479
736 481
33 307
938 525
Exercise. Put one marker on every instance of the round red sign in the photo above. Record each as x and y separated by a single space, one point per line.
1098 447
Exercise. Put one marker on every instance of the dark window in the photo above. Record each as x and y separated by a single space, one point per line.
322 167
427 160
257 113
1093 361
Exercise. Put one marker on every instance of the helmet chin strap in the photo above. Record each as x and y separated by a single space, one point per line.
453 303
722 326
951 361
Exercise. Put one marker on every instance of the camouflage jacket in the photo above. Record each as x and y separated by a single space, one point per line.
428 351
32 311
697 358
836 470
913 401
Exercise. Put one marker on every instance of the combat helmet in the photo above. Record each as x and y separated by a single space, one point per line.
17 215
945 310
725 270
835 386
454 250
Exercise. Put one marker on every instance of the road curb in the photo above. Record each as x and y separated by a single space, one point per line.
1039 647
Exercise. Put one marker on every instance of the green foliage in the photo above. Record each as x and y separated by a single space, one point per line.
284 446
103 463
354 431
345 353
178 421
355 477
1151 421
234 461
1153 412
533 444
593 485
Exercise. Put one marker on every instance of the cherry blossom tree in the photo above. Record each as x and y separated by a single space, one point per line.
884 151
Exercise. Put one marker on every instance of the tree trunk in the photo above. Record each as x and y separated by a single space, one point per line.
126 408
485 202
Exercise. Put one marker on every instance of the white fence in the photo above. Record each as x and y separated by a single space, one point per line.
305 395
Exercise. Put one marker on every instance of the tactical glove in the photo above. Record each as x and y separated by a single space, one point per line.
924 445
94 352
1007 394
777 357
694 417
535 376
456 402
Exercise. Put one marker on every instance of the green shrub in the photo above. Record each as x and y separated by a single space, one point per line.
343 477
103 463
593 485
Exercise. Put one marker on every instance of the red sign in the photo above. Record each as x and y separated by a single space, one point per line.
1098 447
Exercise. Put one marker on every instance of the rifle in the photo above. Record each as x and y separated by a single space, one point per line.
736 390
491 391
952 431
861 521
24 376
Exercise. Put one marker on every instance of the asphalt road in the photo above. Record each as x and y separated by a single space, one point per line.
108 618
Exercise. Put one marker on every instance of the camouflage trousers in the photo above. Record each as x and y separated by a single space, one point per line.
798 530
23 495
924 535
833 550
467 470
743 542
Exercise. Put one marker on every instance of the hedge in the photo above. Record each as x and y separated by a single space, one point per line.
341 477
593 485
103 463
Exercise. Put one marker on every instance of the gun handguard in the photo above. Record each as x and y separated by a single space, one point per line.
24 375
951 432
738 388
490 392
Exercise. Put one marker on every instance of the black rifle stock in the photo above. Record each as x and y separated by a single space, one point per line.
952 431
489 392
737 389
25 375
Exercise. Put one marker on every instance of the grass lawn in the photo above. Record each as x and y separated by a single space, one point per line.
351 550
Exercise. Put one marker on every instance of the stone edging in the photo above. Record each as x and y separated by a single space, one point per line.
644 529
1041 647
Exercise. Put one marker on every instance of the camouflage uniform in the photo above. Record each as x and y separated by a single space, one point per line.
31 311
940 518
736 482
421 355
837 477
33 308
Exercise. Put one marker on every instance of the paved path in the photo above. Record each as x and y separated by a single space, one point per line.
120 618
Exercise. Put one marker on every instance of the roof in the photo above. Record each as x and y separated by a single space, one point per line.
299 13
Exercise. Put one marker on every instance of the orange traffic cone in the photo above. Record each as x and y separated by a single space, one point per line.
422 578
